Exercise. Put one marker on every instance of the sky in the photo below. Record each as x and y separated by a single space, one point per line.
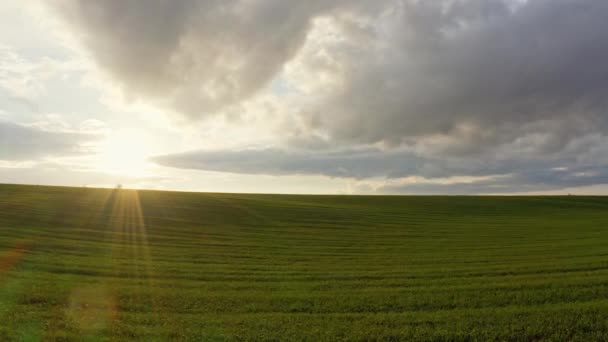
318 96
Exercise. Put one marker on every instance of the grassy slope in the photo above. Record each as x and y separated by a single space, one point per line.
161 265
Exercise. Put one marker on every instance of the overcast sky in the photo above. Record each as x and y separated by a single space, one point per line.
317 96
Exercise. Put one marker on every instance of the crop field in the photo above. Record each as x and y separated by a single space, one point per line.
99 264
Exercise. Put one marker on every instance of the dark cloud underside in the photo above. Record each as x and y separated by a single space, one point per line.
493 176
194 57
467 87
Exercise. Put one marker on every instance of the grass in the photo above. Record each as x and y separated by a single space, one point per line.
96 265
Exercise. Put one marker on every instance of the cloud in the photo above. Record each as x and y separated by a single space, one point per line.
51 173
475 72
23 80
19 143
406 171
399 71
530 180
193 57
391 89
360 163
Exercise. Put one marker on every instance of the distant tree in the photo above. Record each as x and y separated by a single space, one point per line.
118 186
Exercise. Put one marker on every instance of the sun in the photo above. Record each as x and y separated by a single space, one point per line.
124 153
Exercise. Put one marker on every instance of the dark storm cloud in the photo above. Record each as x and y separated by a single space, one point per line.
497 71
467 87
421 68
19 143
194 56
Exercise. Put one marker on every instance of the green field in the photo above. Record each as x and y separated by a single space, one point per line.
94 264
